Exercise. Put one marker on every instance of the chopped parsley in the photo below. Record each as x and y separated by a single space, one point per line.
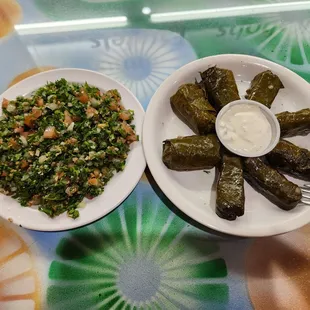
62 144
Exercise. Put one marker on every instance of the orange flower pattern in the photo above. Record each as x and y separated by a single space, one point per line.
10 14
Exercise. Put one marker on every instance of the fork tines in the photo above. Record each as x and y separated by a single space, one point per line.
305 190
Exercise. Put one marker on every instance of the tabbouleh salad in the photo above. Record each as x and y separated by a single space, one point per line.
62 144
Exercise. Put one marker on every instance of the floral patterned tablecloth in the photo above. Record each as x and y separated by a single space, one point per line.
146 254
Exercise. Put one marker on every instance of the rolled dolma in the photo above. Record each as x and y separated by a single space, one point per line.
291 159
191 153
230 188
264 88
191 106
272 184
220 85
294 123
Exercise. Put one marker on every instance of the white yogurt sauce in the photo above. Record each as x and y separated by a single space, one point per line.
245 128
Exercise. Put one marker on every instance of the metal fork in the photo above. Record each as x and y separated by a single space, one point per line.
305 190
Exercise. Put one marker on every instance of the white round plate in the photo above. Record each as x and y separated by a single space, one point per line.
119 187
194 193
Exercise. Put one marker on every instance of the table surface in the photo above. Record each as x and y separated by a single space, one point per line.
146 254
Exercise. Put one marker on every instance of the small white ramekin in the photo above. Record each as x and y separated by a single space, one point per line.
275 127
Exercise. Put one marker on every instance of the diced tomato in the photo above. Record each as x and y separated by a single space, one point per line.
4 174
13 143
40 102
24 164
82 96
68 120
127 128
36 113
125 115
5 103
131 138
29 121
114 106
50 133
19 130
93 182
32 117
131 134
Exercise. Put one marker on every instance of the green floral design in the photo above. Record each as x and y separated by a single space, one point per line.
283 38
142 256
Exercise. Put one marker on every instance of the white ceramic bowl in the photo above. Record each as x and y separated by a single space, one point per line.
273 121
195 192
119 187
